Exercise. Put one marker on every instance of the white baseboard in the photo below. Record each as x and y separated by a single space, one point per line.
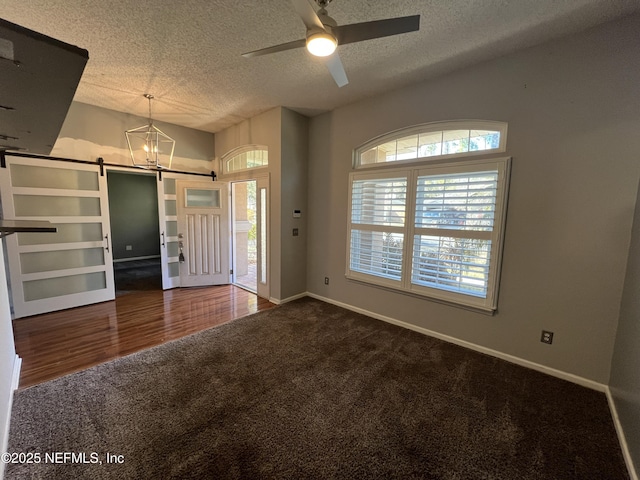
289 299
585 382
621 436
15 380
17 367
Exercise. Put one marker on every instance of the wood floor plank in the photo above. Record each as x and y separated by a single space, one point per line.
58 343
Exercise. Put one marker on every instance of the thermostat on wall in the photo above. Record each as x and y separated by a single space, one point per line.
296 214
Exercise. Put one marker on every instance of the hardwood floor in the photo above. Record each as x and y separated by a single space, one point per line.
58 343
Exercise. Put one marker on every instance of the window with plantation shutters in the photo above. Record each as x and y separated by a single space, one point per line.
378 211
432 230
454 225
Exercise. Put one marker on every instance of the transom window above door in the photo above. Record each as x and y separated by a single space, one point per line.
245 158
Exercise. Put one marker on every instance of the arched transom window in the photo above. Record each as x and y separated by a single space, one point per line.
245 158
434 140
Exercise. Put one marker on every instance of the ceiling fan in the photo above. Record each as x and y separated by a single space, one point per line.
324 35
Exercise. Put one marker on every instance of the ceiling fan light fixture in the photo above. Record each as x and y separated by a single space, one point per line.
321 44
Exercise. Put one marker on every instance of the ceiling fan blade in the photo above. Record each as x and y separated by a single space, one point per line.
358 32
334 64
276 48
308 14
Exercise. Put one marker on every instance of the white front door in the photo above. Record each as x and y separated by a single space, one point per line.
69 268
203 233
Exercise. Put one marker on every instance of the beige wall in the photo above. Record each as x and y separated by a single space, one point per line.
90 132
574 115
293 192
263 129
284 132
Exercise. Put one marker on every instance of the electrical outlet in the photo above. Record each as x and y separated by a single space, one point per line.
128 247
295 232
547 337
326 280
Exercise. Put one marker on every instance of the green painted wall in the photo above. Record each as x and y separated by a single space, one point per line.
133 207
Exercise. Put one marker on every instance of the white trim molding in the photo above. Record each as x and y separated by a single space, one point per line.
291 299
15 380
624 446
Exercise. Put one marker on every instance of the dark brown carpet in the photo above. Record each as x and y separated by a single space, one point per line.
309 390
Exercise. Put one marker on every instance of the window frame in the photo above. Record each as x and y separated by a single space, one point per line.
230 155
424 128
410 230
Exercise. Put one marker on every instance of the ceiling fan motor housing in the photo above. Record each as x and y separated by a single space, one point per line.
328 22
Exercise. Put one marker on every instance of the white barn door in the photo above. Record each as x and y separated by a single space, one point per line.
168 218
69 268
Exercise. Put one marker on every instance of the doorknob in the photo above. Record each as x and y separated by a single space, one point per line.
180 255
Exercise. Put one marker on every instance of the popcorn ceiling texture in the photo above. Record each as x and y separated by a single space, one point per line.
187 53
310 390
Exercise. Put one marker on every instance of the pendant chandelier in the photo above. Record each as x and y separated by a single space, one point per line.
149 147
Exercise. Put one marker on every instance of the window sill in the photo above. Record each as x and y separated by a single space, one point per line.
489 311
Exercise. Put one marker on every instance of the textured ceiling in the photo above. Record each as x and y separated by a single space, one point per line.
187 53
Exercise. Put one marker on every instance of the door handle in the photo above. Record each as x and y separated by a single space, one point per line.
180 255
106 237
163 239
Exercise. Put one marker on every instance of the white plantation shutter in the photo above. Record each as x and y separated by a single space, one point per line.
379 201
457 201
377 253
431 230
377 227
454 220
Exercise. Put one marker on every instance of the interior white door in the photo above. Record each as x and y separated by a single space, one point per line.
69 268
203 233
168 220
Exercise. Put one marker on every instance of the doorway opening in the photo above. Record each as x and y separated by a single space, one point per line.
245 230
133 209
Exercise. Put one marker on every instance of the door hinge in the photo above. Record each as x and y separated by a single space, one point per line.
231 272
